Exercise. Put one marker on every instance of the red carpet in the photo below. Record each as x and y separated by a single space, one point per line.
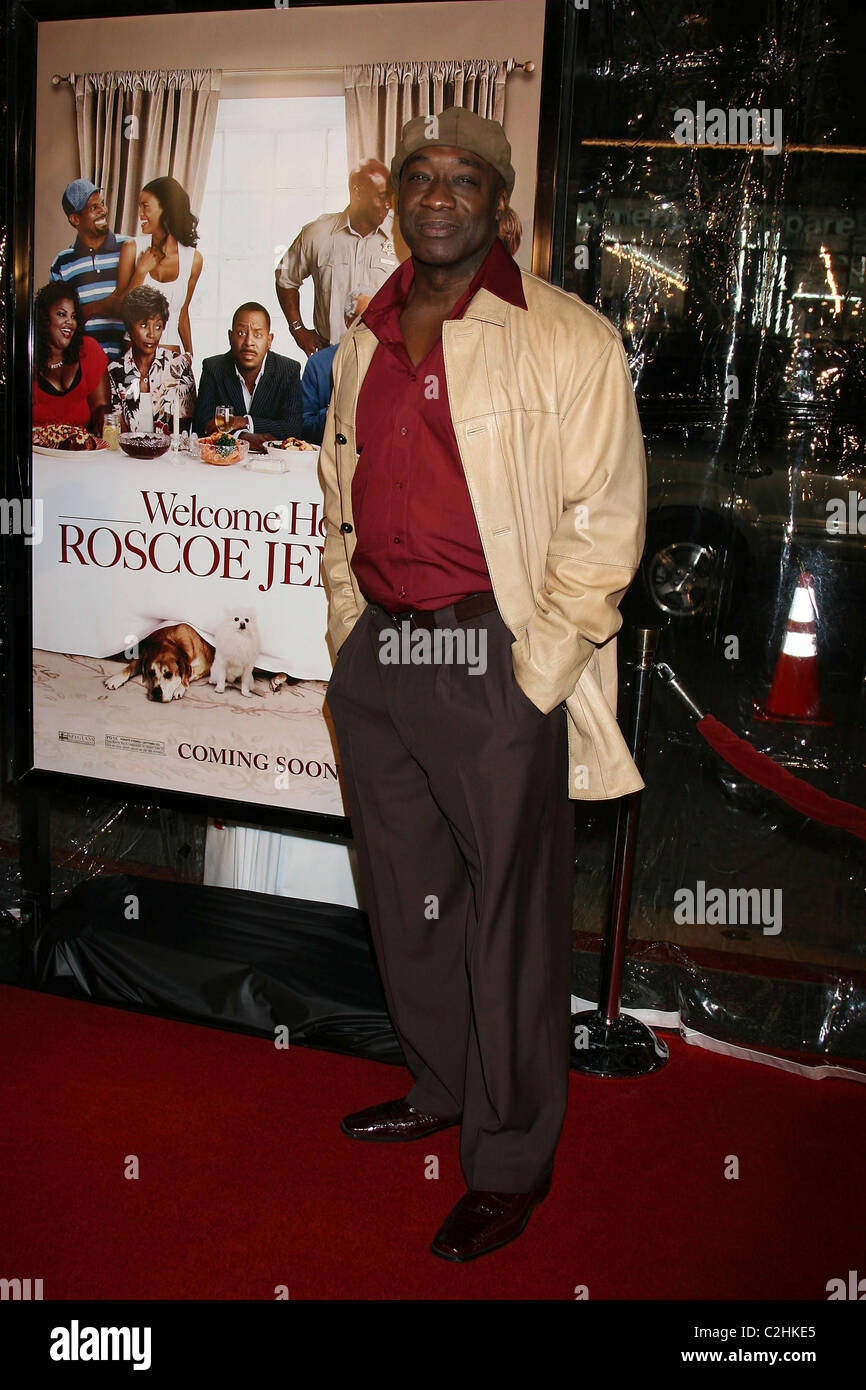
246 1181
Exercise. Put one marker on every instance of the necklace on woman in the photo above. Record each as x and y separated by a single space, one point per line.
53 366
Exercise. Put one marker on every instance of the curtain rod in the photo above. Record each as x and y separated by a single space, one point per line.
528 66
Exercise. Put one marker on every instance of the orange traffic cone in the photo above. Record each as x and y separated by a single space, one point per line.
794 692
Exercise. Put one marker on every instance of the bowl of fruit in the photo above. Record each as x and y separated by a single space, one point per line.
145 446
221 448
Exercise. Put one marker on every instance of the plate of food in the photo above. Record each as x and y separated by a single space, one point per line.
221 448
62 441
291 445
282 454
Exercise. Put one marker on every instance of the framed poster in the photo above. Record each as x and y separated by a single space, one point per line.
170 613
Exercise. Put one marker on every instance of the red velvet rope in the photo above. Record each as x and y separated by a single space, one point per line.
761 769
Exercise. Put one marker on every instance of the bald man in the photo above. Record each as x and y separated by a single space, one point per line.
342 251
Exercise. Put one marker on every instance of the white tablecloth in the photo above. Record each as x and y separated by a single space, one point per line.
95 511
112 524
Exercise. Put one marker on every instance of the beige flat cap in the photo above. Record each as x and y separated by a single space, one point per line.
462 129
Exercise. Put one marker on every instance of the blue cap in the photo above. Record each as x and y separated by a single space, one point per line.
76 194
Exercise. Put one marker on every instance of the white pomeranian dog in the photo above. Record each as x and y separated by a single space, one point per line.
236 647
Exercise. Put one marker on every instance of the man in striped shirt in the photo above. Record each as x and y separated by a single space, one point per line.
94 264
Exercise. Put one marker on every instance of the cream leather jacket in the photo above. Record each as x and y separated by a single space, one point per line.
549 437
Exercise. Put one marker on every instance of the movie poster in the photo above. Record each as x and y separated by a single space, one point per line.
179 607
139 561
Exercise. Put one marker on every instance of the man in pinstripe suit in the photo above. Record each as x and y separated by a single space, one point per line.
262 387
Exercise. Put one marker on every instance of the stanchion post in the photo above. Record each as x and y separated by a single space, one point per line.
606 1041
646 641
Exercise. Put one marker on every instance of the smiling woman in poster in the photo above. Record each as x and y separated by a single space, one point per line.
70 371
166 256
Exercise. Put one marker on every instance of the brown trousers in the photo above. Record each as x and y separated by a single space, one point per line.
464 832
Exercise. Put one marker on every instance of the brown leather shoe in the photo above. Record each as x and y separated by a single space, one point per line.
393 1121
485 1221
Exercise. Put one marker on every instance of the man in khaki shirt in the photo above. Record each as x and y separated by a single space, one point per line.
342 251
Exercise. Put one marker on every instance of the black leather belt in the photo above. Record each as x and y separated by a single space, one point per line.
464 608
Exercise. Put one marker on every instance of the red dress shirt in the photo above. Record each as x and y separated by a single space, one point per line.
417 540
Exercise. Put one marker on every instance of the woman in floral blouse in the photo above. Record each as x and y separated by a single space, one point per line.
147 380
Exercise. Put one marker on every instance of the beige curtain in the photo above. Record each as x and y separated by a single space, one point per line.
381 97
138 126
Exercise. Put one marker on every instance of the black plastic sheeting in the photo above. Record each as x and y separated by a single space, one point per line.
728 999
218 956
252 962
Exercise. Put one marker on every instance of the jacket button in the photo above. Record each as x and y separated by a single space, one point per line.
341 439
346 527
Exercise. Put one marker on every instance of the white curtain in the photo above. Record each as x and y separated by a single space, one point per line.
381 97
291 866
138 126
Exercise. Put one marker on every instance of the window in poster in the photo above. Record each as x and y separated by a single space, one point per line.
282 160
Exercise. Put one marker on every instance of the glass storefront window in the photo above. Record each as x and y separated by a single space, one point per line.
712 205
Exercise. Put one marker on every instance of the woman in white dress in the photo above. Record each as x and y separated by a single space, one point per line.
166 258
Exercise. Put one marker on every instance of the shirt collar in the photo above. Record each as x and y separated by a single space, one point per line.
258 378
384 227
130 364
110 244
498 273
